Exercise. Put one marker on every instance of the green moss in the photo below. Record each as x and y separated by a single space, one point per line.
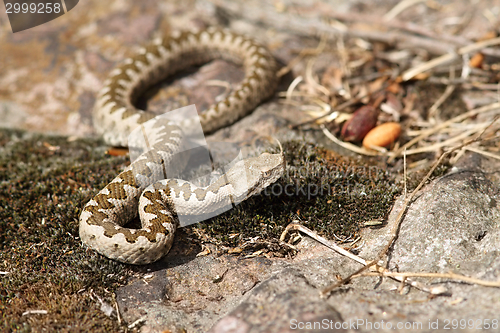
330 194
44 182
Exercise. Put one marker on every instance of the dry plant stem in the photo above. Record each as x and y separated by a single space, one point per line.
447 93
292 86
405 174
407 75
118 317
482 152
312 234
450 275
436 128
436 146
402 212
400 7
347 145
380 270
435 107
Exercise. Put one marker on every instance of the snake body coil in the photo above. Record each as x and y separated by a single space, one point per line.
141 187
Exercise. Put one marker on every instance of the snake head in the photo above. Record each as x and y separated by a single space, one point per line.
263 170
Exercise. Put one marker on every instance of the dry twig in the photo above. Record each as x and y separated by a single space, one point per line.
376 268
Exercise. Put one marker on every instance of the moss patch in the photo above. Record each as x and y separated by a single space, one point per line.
44 182
328 193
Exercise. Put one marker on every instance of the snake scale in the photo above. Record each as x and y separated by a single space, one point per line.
141 187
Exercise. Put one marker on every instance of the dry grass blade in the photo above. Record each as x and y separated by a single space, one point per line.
400 7
437 128
378 269
451 275
482 152
445 58
347 145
